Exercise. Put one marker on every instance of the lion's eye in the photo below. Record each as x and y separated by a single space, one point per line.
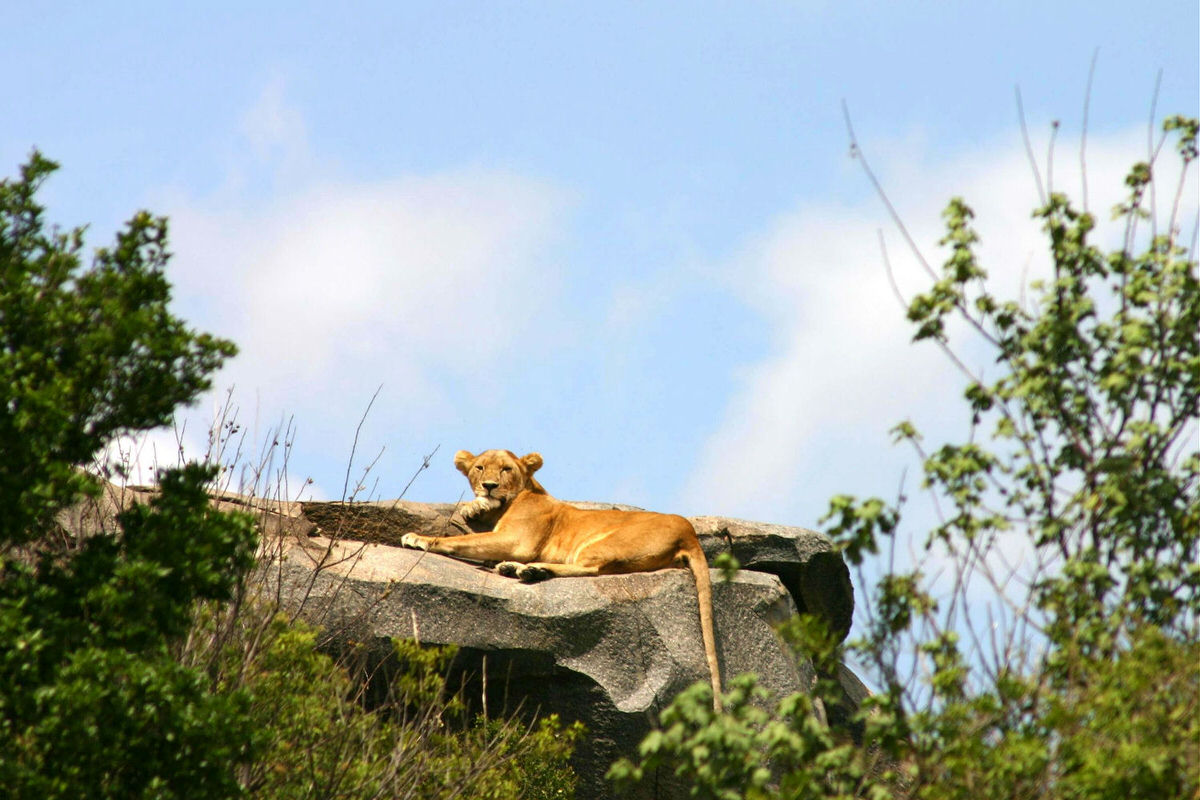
506 469
479 467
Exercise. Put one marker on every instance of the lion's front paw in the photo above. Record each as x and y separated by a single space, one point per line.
480 505
509 569
414 541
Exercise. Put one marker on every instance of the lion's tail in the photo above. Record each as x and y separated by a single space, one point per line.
699 566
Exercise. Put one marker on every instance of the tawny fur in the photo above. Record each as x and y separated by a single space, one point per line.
537 537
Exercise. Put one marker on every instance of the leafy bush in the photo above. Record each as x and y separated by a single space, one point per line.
1088 686
320 741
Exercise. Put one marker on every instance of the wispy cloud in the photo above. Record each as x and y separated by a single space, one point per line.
275 129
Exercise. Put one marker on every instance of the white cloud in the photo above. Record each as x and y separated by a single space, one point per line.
331 288
404 273
134 460
811 420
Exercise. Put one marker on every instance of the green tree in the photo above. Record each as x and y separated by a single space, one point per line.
1084 447
92 703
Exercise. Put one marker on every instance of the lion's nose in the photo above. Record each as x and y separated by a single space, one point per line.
489 485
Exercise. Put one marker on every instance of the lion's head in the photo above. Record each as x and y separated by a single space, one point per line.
498 476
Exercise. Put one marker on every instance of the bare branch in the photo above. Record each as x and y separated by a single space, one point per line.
424 466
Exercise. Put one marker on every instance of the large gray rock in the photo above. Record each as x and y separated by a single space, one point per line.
803 560
610 651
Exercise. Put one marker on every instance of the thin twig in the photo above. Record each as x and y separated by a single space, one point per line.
1151 154
1037 176
354 445
424 466
891 276
1176 204
1087 102
1050 157
856 152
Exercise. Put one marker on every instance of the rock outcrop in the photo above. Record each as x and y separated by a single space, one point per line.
611 651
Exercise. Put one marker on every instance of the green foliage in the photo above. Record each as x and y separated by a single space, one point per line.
496 760
860 525
92 702
1084 447
728 565
753 749
1130 726
318 740
540 771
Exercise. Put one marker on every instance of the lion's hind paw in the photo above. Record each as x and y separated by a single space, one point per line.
525 573
531 574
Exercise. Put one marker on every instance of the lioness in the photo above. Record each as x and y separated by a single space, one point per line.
537 537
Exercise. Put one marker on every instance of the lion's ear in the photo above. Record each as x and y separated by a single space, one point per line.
533 461
462 460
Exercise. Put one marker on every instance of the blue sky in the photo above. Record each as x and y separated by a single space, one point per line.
626 235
